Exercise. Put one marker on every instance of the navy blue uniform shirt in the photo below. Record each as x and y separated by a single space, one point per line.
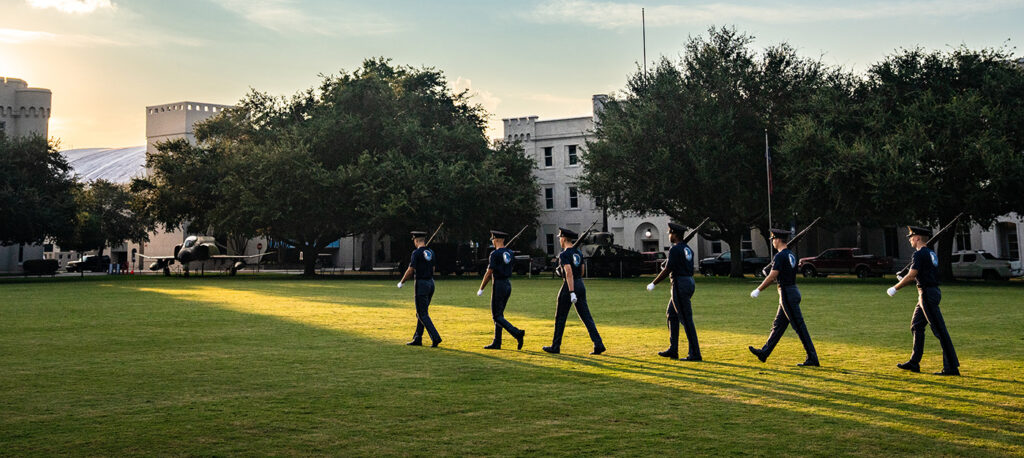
574 259
500 262
927 264
785 262
423 263
680 260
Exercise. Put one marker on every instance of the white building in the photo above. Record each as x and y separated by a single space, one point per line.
23 111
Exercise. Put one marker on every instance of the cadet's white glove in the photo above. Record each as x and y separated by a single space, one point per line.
480 292
572 297
399 284
891 291
650 287
756 292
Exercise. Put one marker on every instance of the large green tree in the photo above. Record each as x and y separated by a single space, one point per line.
381 149
36 191
688 139
107 215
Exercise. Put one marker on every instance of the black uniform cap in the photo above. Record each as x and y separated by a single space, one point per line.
418 234
676 228
916 230
567 233
499 234
781 234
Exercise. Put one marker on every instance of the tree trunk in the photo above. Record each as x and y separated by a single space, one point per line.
735 241
309 256
944 250
366 258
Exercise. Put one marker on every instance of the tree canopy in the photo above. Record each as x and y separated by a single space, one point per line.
36 186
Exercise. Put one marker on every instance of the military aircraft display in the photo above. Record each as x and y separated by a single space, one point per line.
200 248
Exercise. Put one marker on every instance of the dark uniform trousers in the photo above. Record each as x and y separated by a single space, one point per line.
424 292
500 293
789 313
679 311
564 304
927 313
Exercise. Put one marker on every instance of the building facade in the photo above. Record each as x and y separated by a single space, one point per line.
23 111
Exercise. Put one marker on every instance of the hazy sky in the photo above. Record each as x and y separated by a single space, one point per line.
105 60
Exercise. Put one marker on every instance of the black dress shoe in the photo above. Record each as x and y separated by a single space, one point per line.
519 339
670 353
434 344
598 349
909 366
692 358
810 363
552 350
953 371
758 354
415 343
493 346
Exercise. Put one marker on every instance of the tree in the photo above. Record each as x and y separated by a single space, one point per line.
107 216
36 191
945 130
380 149
688 139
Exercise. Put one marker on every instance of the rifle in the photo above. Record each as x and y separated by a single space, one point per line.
795 239
903 272
435 233
686 238
517 235
558 269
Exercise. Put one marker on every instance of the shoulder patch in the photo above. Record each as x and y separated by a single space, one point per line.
507 257
935 258
428 254
576 259
792 260
689 253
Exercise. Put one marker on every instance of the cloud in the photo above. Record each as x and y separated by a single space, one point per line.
72 6
285 16
486 99
123 39
614 15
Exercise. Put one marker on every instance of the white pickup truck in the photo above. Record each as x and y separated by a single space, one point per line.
981 264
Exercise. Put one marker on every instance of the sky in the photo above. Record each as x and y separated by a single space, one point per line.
106 60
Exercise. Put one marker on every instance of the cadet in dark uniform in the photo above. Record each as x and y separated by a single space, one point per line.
925 270
680 266
499 267
422 265
572 293
784 271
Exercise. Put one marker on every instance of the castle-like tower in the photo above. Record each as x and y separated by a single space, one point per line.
23 110
176 120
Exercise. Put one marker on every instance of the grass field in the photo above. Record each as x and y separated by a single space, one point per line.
284 366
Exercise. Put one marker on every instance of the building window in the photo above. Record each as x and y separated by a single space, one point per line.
549 159
573 157
963 238
549 242
21 253
716 246
892 242
574 197
549 198
746 244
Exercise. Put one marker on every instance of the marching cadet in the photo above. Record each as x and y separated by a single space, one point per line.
680 266
422 265
784 271
925 271
499 267
572 293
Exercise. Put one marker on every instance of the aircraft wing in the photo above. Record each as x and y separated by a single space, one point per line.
159 258
235 256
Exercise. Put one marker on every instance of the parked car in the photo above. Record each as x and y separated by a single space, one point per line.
722 264
40 267
981 264
93 263
653 261
845 261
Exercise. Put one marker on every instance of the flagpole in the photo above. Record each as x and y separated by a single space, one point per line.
768 171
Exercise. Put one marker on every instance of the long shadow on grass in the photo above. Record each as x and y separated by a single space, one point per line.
865 411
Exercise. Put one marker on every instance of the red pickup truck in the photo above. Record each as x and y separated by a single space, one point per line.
845 261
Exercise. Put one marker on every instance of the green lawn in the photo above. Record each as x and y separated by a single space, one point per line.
283 366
